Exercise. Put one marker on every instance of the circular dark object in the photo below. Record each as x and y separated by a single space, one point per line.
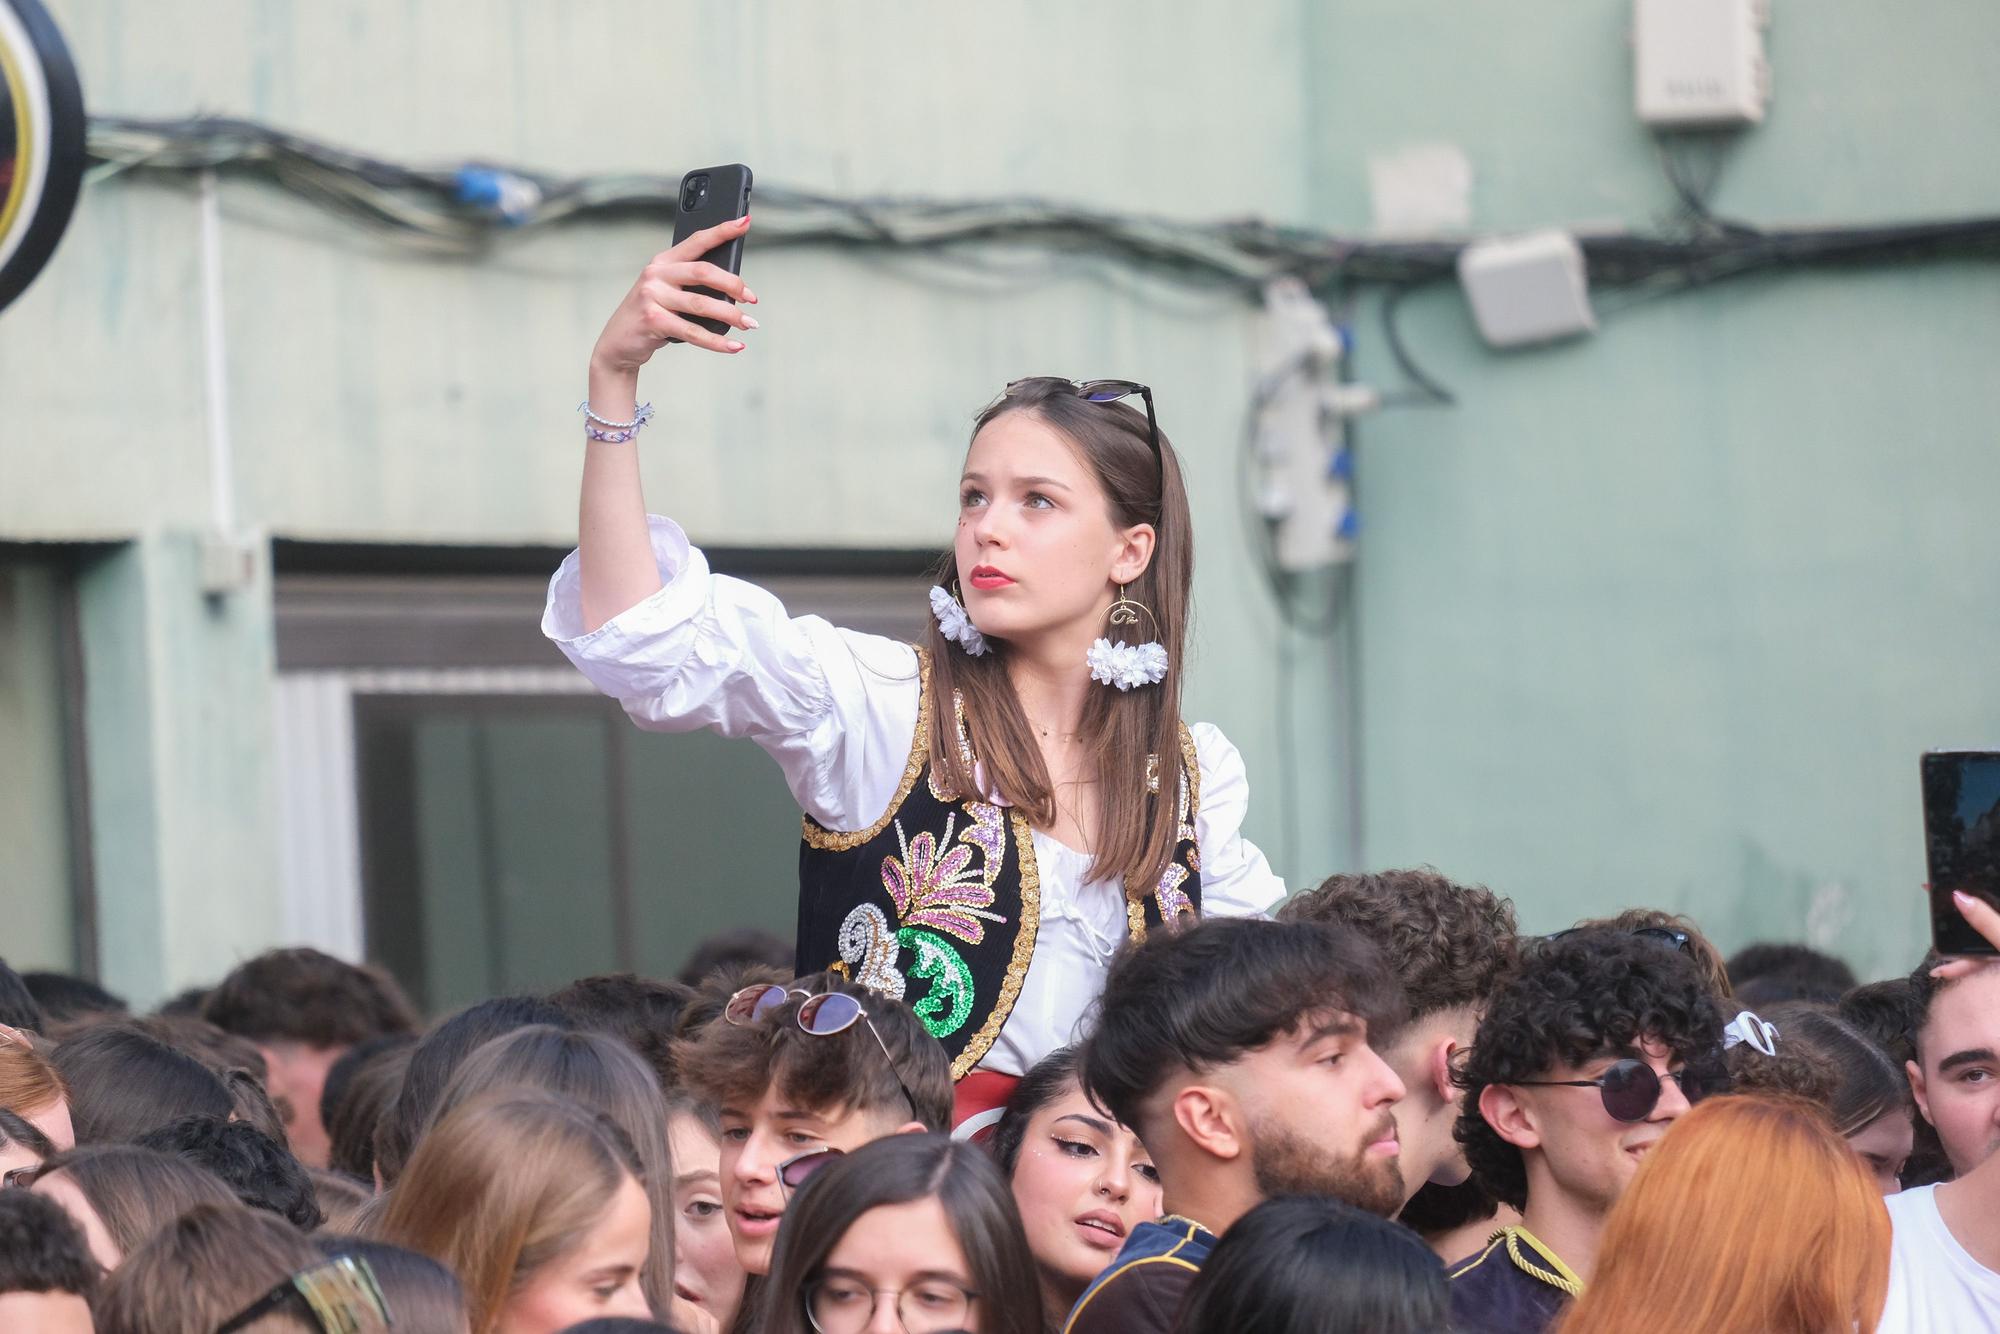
41 142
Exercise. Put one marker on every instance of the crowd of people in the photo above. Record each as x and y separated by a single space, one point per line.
1382 1111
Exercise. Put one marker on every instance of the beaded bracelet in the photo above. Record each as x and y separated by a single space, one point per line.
614 433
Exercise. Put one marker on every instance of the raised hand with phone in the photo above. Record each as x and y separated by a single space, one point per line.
693 293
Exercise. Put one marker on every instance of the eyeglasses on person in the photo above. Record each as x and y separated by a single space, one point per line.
844 1304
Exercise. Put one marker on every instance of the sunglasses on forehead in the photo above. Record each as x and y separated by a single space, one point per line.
1630 1088
821 1014
1665 935
1111 391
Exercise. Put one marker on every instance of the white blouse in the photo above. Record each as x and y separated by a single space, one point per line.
837 710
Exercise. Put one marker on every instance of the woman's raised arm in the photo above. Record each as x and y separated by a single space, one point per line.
614 553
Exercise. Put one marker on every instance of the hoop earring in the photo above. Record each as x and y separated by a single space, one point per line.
956 625
1123 664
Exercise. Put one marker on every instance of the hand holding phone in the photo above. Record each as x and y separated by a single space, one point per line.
710 198
1961 792
668 304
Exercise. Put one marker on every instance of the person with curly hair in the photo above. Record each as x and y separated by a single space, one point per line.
1587 1054
47 1274
245 1159
1449 946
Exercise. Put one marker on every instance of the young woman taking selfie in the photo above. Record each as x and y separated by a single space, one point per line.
989 814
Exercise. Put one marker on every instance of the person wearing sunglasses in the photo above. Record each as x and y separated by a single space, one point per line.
800 1074
990 812
1584 1058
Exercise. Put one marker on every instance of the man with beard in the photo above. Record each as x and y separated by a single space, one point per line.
1449 945
1242 1053
1584 1058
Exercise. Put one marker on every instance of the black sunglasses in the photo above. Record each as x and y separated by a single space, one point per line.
1630 1088
1110 391
822 1015
1666 935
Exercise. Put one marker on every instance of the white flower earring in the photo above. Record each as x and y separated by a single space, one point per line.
1127 665
955 623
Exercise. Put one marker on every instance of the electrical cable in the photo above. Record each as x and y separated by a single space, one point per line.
475 207
1427 391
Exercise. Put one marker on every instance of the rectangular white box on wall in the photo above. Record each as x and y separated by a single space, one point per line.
1700 62
1527 289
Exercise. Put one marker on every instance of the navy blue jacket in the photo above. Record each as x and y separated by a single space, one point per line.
1141 1291
1515 1286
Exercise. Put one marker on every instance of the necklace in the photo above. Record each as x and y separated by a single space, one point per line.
1046 732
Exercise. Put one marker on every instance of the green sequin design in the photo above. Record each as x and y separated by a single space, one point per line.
950 978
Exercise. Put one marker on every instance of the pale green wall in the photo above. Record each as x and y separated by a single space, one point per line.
36 930
1666 616
178 717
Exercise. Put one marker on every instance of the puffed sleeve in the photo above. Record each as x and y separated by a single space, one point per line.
835 708
1236 881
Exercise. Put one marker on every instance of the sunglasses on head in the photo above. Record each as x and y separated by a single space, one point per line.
1630 1088
1666 935
339 1295
1110 391
821 1014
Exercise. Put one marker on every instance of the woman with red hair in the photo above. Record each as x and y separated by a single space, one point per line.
1752 1216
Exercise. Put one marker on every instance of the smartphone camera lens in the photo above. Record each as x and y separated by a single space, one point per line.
694 193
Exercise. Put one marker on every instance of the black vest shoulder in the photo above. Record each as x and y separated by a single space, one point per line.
938 902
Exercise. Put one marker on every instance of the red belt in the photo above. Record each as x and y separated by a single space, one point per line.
982 1091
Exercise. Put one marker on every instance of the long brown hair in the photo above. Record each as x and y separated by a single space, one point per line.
28 1081
135 1191
203 1268
1137 830
601 1073
502 1185
1751 1217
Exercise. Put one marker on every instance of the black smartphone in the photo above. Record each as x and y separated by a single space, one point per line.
709 197
1961 841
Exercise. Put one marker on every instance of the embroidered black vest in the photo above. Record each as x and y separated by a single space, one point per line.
937 902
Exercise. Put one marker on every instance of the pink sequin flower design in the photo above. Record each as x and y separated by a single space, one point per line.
934 884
